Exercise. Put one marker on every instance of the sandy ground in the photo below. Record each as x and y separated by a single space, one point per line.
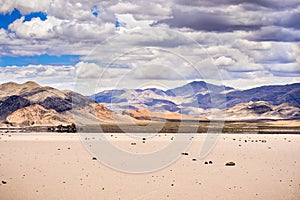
58 166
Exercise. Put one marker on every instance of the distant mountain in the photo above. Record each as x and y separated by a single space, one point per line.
30 103
195 97
196 88
274 94
262 110
151 99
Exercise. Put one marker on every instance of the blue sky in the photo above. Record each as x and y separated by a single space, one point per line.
8 18
39 60
251 43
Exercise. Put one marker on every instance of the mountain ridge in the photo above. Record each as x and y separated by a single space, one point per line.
196 94
32 104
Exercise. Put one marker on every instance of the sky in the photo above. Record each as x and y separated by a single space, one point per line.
89 46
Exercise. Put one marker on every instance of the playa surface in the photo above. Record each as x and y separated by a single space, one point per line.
58 166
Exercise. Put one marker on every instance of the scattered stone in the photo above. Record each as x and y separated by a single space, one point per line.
94 158
172 184
58 149
194 159
4 182
245 140
133 143
185 154
230 164
210 162
205 162
264 141
144 139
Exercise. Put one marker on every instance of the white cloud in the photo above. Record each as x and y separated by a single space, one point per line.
224 61
56 76
296 51
24 6
246 43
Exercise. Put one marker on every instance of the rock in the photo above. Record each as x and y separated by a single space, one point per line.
194 159
210 162
94 158
230 163
4 182
205 162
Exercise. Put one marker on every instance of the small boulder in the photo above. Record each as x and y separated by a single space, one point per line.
230 163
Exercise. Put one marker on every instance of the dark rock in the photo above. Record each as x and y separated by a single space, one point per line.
11 104
230 164
56 103
60 128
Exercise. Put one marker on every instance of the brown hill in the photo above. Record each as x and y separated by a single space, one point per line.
37 115
30 103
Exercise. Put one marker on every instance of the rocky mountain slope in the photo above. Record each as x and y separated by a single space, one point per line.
30 103
37 115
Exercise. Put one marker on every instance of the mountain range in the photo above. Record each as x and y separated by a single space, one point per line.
196 97
31 104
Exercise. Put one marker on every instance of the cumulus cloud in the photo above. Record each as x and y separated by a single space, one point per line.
224 61
56 76
24 6
208 21
244 39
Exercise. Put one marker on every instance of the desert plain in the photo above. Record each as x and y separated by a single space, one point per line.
59 166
